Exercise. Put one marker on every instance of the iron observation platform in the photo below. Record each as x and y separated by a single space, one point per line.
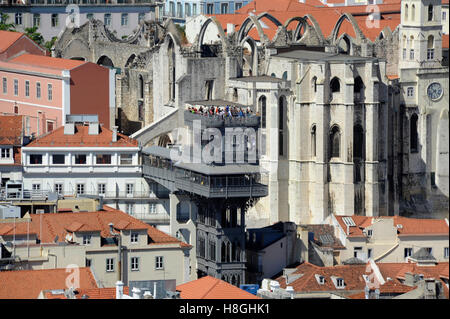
208 181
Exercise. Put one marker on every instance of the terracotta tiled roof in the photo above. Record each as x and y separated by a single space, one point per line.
353 279
324 236
82 138
409 226
90 293
47 62
7 38
212 288
27 284
11 129
60 224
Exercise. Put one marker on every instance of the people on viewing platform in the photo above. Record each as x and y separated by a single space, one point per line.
221 111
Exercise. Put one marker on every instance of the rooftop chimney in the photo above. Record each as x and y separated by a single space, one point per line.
119 290
136 293
69 129
94 128
114 134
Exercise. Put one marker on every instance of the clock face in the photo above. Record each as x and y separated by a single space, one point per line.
434 91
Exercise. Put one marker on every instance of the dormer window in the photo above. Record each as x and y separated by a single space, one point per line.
340 283
369 233
320 279
134 238
87 239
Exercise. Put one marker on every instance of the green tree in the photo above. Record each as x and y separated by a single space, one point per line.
35 36
49 44
4 25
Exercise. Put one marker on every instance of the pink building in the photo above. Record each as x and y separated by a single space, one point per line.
46 89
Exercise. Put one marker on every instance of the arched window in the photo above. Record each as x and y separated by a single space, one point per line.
406 12
314 84
262 108
413 12
430 12
335 85
273 75
411 48
141 87
358 88
313 140
404 47
413 134
223 251
335 141
358 142
284 76
430 48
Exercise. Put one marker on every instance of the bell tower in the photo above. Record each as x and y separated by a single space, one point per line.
420 41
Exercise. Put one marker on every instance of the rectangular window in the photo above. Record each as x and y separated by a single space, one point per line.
224 8
36 187
107 19
411 54
103 159
194 9
80 159
35 159
5 85
130 189
58 159
159 262
89 16
410 92
238 6
129 208
369 253
134 263
36 20
50 126
27 88
408 252
444 15
340 282
210 8
430 54
109 264
88 262
38 90
87 239
16 87
404 54
357 252
126 159
6 153
152 208
187 10
50 92
18 19
101 188
80 189
369 233
134 237
124 19
429 250
446 252
59 188
179 10
54 20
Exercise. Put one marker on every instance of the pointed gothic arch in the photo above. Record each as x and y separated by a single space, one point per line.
358 33
221 34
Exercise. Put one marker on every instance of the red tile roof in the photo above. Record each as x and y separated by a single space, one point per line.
61 224
7 38
212 288
82 138
91 293
47 62
27 284
409 226
353 279
11 129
